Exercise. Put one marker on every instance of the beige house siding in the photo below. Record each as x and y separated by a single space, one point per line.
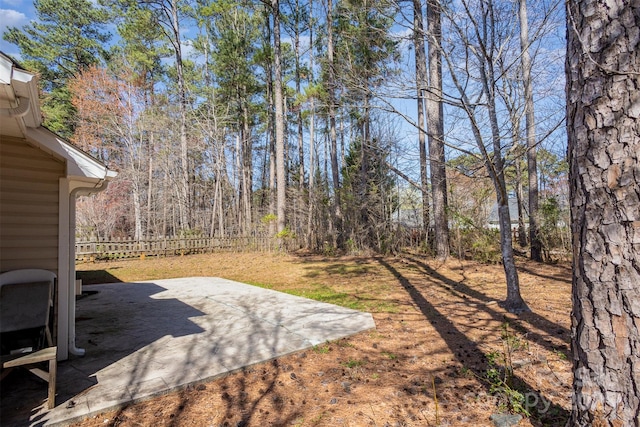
29 187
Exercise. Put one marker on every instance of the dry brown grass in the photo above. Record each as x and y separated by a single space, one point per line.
438 328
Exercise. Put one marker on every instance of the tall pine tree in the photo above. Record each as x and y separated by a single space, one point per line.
67 37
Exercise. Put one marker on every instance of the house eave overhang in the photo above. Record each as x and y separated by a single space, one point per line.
80 166
23 93
21 90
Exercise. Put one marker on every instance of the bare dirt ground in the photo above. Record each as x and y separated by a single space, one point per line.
438 355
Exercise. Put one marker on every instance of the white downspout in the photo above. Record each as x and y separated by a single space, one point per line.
72 261
63 270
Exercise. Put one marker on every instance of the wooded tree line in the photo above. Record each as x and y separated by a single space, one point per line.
234 117
324 119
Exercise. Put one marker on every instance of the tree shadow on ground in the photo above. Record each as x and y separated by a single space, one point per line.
237 406
547 276
239 333
467 352
554 331
118 322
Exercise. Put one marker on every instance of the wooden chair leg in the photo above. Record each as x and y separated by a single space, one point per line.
47 333
46 355
53 366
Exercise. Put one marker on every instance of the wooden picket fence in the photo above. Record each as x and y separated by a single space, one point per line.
115 248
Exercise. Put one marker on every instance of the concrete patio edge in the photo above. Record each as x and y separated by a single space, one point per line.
151 338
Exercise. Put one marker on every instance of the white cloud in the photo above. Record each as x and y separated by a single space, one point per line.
11 18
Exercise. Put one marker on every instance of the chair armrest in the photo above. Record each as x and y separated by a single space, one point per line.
43 355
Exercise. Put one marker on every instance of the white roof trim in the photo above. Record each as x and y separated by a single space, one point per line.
79 164
6 67
23 84
9 72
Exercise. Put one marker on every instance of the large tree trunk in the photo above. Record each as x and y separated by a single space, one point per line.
150 155
272 175
603 127
184 191
312 143
435 124
247 171
300 134
532 163
421 85
271 136
298 219
278 98
333 137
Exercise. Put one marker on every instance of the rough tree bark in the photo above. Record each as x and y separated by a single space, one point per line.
270 154
333 137
312 140
603 127
435 124
422 79
278 98
184 193
150 151
300 131
247 172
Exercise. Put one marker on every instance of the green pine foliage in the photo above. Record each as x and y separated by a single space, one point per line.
67 37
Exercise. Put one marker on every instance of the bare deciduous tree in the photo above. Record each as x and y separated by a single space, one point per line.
479 39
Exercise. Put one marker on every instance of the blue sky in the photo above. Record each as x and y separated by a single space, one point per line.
17 13
14 13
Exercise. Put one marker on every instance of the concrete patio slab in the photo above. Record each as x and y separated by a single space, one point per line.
148 338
